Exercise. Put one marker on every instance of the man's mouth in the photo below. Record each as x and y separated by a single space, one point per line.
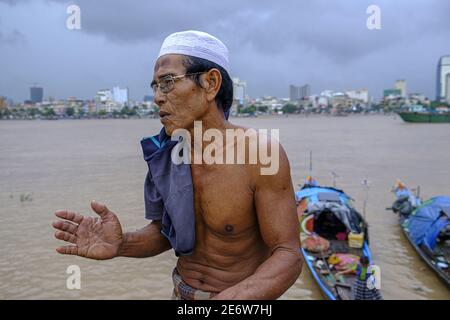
163 114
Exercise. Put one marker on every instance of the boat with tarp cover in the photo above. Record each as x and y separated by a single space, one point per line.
426 225
334 236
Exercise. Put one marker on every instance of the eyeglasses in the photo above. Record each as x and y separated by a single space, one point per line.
167 83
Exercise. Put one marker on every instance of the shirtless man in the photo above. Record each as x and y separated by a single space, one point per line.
246 228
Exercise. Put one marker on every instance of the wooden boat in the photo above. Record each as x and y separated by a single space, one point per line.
426 225
326 215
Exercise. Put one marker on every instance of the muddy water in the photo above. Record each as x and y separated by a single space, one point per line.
65 164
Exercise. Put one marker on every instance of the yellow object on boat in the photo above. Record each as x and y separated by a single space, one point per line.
355 240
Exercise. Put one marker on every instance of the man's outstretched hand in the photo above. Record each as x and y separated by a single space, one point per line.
97 238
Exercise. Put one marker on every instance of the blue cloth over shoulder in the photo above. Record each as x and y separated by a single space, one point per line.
169 193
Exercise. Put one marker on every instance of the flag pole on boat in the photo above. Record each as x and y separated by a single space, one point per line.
365 185
335 175
310 163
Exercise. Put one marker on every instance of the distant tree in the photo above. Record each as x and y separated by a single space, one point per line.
251 109
125 111
289 108
263 109
49 112
33 112
70 111
435 104
81 112
5 113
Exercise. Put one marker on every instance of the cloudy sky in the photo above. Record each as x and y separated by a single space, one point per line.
272 44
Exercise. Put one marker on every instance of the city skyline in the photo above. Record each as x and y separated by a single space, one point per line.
326 45
239 92
120 96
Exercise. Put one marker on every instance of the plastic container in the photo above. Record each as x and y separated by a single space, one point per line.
356 240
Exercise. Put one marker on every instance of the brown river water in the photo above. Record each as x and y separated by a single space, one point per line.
66 163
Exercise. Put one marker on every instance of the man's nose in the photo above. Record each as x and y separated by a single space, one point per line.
159 98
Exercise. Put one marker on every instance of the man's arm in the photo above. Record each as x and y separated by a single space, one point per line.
278 223
145 242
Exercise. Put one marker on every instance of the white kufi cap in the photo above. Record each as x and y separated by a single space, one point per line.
196 44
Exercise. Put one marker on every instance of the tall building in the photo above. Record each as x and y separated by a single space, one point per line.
442 80
36 94
120 95
447 92
305 91
104 100
401 85
299 92
293 93
239 90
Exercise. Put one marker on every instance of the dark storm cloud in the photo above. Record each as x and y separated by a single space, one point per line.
272 44
333 28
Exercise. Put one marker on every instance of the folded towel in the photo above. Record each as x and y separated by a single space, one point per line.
169 194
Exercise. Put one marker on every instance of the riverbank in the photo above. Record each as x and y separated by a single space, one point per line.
260 116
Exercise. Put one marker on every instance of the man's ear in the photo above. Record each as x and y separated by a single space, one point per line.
212 83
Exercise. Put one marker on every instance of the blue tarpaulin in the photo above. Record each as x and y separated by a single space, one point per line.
313 192
428 220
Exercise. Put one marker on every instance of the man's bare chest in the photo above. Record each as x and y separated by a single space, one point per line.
224 199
